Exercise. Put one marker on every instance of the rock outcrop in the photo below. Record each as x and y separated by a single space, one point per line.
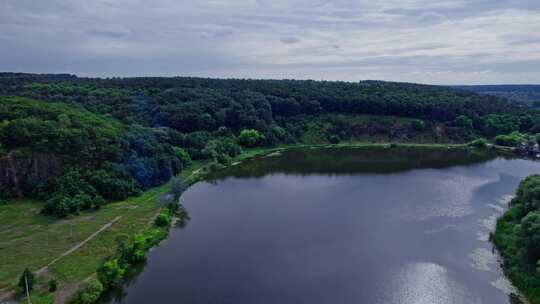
19 169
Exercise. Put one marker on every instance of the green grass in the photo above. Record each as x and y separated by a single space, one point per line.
32 240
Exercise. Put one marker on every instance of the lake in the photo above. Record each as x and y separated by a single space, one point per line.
338 226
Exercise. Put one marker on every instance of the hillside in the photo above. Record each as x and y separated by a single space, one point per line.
80 142
522 95
77 160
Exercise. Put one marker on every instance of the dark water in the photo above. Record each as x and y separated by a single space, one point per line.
338 226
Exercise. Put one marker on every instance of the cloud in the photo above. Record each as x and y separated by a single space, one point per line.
108 33
290 40
446 41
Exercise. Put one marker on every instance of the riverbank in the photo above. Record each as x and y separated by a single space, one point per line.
32 240
70 250
516 238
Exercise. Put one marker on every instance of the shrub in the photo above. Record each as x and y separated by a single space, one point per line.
418 125
333 139
163 220
110 273
135 249
478 143
53 285
511 140
91 293
250 138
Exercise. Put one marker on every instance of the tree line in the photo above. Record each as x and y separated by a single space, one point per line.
119 136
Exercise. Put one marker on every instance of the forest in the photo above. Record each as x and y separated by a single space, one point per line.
106 139
521 95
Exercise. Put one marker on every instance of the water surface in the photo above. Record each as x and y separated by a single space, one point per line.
338 226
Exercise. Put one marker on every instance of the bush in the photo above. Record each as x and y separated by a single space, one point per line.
91 293
250 138
333 139
110 273
478 143
511 140
418 125
135 250
163 220
53 285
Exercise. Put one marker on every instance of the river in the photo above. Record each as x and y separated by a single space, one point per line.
392 226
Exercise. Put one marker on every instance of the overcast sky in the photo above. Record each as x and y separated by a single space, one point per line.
427 41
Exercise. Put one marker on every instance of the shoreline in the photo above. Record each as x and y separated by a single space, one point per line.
199 169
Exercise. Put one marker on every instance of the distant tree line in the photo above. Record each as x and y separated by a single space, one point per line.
119 136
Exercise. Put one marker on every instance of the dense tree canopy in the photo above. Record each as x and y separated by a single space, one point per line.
117 136
518 237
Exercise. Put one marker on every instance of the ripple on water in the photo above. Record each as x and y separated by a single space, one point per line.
425 283
503 284
482 259
452 198
482 236
505 200
441 229
489 222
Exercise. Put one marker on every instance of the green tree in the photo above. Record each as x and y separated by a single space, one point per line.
135 250
183 156
528 194
110 273
27 277
511 140
530 233
91 293
177 188
464 122
250 138
163 220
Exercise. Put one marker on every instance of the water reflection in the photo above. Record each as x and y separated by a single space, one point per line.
343 226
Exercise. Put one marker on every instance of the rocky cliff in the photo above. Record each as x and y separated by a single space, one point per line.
20 169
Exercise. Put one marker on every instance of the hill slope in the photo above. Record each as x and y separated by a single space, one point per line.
522 95
114 137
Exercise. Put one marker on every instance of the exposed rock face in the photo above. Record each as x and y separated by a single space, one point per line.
19 169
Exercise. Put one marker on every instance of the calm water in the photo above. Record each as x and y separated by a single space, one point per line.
338 226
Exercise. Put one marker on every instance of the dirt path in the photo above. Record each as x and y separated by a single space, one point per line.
79 245
44 270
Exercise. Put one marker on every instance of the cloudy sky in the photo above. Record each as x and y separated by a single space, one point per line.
427 41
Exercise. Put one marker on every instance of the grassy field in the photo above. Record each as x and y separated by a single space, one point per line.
30 239
33 240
